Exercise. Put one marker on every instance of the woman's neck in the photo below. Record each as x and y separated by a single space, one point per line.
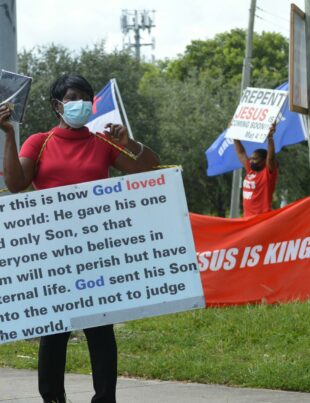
63 124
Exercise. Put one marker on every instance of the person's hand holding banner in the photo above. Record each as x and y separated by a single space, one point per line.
271 131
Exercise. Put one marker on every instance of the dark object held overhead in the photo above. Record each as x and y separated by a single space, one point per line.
14 91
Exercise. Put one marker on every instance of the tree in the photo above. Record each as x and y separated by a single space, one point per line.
178 107
45 64
188 113
294 174
194 98
224 56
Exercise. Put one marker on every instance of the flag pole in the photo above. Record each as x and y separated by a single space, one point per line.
122 107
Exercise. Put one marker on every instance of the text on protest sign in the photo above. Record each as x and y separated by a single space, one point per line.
100 252
257 111
274 253
262 259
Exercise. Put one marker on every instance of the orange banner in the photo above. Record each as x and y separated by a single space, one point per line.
265 258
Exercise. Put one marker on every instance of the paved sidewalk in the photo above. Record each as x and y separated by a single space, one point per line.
20 386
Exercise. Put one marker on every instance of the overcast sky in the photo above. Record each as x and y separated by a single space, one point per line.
78 23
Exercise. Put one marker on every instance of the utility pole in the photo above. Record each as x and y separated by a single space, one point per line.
246 79
307 12
136 21
8 42
8 57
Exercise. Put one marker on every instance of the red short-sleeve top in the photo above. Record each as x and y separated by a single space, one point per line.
69 156
258 188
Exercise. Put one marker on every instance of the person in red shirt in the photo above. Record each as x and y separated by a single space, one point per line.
261 177
66 155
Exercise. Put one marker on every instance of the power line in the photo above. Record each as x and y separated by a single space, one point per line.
273 15
272 23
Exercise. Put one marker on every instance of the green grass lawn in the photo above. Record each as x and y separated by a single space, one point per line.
259 346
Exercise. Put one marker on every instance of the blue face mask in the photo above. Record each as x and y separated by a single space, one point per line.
76 113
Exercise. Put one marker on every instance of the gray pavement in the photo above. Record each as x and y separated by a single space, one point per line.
20 386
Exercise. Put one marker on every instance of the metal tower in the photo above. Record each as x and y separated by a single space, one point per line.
132 23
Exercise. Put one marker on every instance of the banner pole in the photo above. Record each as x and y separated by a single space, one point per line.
122 108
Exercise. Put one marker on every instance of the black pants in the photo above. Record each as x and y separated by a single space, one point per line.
103 356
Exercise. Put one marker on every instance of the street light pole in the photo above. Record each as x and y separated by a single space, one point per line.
246 79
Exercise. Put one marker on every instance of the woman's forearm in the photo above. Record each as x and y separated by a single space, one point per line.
12 169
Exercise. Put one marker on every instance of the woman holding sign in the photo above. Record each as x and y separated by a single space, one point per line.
69 154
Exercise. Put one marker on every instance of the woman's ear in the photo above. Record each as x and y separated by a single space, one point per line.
57 107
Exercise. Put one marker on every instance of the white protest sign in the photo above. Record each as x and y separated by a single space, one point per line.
96 253
257 111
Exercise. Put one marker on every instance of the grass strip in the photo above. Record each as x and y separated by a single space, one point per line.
263 346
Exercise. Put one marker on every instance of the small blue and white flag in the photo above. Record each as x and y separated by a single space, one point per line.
105 109
221 156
